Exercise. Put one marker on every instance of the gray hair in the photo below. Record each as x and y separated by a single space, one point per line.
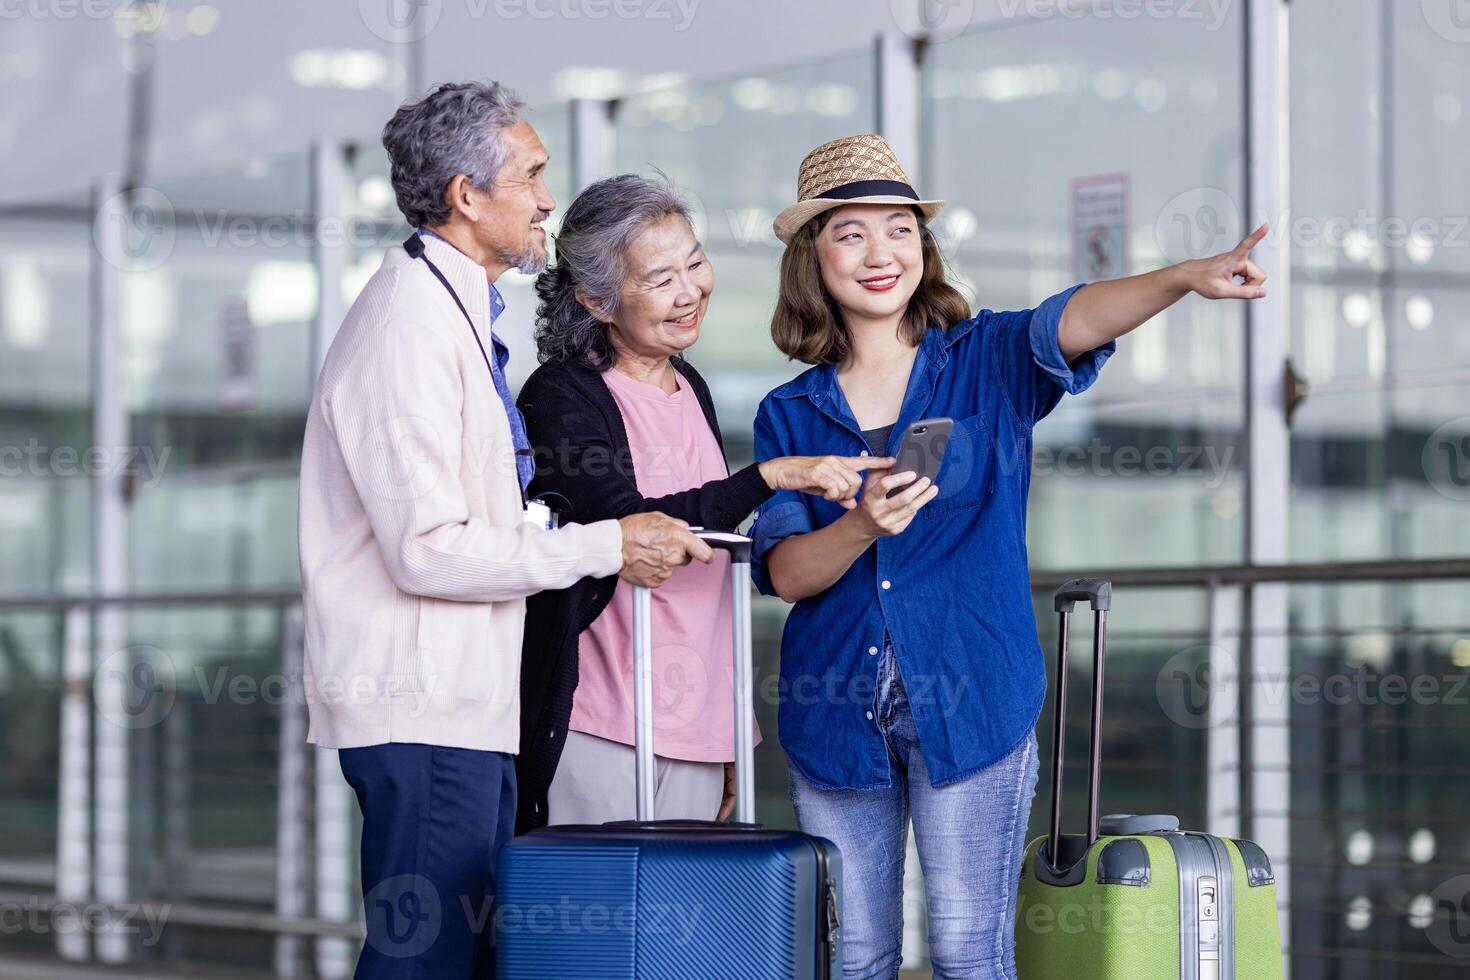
591 255
455 129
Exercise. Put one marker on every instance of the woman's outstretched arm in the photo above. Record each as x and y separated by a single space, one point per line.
1104 311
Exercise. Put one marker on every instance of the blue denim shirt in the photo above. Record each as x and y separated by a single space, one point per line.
952 591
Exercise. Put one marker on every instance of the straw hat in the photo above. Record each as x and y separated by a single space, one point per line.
851 170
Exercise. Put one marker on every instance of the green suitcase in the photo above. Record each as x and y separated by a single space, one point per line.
1136 898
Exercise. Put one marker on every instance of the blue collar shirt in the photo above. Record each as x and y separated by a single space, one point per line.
952 591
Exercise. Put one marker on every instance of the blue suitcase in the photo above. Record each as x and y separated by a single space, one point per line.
673 900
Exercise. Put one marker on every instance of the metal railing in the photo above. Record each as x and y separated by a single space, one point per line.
314 918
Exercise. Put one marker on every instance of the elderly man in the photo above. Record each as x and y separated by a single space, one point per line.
417 545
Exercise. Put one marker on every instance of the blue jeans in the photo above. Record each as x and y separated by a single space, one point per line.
433 822
970 836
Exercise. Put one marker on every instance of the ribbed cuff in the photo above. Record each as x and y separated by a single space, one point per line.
605 549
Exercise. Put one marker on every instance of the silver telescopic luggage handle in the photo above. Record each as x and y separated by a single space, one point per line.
738 547
1099 594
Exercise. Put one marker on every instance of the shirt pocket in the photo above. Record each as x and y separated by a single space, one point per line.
967 473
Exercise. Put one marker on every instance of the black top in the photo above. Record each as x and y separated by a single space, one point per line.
583 465
877 439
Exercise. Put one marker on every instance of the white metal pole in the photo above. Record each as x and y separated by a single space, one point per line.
1268 336
744 693
646 771
593 142
109 562
898 97
291 799
1222 738
74 789
333 825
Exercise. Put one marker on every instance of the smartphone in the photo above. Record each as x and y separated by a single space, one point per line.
923 450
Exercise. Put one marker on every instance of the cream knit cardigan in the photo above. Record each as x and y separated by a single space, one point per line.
415 560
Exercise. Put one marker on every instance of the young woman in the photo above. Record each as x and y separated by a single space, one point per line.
912 671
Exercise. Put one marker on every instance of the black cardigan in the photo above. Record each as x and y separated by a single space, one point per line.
582 456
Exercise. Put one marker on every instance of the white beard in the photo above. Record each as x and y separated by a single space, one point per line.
529 261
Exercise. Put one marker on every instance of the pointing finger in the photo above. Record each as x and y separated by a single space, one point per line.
1255 238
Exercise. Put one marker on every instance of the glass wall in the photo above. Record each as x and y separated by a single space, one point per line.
1380 675
1150 107
215 364
45 431
216 312
1382 280
1069 149
45 399
1380 469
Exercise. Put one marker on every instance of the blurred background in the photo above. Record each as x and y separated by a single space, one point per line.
194 192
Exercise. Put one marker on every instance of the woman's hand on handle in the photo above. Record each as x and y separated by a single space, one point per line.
835 478
654 545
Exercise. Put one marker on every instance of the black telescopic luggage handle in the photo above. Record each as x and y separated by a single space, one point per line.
1099 594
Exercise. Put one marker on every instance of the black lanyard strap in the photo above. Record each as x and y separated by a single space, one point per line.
414 246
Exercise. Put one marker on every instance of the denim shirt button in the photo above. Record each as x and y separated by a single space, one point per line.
887 584
863 452
870 716
872 651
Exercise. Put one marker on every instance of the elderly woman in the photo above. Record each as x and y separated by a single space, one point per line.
623 424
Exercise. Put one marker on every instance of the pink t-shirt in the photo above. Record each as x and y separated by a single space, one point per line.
673 449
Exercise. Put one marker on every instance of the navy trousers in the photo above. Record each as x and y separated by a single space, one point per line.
433 822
